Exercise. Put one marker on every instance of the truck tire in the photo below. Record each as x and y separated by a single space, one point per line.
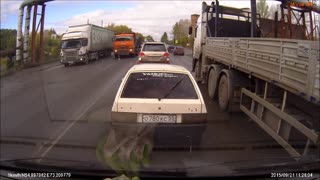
223 92
87 60
212 80
212 83
198 71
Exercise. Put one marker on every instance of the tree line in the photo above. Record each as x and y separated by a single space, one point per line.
179 34
126 29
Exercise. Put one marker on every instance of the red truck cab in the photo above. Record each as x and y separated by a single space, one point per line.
125 44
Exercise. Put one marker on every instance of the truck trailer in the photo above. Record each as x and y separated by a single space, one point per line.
83 43
269 72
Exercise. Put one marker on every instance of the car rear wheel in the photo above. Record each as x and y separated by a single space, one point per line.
223 94
66 65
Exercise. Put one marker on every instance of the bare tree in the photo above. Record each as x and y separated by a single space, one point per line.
262 9
273 9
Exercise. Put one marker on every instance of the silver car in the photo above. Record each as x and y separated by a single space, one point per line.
154 52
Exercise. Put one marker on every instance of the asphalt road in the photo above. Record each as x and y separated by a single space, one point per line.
61 112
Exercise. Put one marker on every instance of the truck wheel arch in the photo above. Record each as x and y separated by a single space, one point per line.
197 71
194 61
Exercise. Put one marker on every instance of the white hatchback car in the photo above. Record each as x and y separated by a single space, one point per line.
159 93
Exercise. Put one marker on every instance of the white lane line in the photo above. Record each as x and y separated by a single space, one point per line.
77 117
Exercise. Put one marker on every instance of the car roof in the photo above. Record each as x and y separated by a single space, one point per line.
158 67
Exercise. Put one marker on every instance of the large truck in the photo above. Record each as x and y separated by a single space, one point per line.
83 43
268 69
126 44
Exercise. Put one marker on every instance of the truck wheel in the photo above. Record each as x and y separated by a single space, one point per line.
86 61
198 71
223 94
212 83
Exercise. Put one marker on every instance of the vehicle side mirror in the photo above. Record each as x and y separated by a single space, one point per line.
190 30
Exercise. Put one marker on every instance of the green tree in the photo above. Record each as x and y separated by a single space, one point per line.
140 37
180 32
164 37
51 45
119 28
149 38
7 38
263 9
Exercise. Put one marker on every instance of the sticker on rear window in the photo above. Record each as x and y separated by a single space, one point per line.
160 75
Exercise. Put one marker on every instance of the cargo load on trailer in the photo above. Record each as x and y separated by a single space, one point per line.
83 43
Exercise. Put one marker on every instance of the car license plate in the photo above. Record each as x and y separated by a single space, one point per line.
151 118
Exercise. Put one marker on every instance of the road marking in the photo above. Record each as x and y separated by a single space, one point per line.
77 117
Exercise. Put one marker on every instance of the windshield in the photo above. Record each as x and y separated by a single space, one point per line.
158 85
74 43
143 89
154 47
123 38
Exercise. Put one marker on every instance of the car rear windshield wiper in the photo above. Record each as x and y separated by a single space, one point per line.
171 90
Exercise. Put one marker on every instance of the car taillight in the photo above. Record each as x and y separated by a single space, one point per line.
166 54
141 54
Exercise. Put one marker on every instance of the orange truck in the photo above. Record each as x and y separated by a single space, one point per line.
126 44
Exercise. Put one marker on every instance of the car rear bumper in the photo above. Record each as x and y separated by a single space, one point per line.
124 52
132 118
170 135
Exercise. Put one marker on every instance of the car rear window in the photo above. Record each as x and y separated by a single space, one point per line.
159 85
154 47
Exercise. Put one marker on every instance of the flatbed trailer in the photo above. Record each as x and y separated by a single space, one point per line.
274 81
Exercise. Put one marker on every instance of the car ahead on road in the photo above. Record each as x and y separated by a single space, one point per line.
154 52
178 51
163 95
170 49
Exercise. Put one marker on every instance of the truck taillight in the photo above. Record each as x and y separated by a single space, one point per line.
166 54
141 54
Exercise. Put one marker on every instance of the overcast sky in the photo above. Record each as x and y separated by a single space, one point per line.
147 17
